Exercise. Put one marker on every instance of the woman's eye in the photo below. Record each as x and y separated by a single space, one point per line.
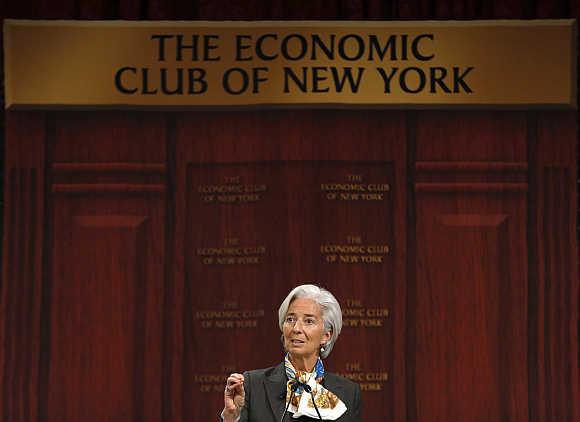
310 321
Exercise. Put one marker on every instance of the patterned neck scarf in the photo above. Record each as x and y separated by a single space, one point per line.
329 405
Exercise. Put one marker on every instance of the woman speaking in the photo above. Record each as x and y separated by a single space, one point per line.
298 389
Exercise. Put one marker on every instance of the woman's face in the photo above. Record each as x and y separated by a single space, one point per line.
304 328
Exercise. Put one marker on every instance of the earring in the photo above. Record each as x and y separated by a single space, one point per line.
322 348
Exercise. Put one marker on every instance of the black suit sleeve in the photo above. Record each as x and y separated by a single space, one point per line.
248 395
356 405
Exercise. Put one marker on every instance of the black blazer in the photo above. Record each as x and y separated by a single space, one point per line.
266 392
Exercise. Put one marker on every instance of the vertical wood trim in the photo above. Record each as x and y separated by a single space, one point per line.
45 308
22 267
507 381
403 204
7 274
171 316
566 263
411 287
177 299
560 364
536 388
555 241
139 369
548 268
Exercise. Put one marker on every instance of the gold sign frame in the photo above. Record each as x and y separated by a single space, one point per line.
173 64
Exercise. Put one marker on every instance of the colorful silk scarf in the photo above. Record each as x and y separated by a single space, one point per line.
329 405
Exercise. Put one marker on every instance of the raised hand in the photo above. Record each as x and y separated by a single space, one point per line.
234 397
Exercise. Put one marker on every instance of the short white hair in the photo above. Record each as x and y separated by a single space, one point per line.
331 312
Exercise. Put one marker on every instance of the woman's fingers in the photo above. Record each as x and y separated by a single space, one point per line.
236 377
235 384
237 388
234 393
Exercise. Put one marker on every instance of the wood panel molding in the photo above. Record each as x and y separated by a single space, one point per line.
467 188
107 188
141 168
471 172
110 221
102 177
471 166
472 220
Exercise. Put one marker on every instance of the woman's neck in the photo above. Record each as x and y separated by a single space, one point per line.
304 363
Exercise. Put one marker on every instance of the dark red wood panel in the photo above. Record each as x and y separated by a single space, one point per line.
471 286
257 229
106 296
471 298
469 136
109 137
555 316
124 189
232 234
364 279
106 309
109 170
22 282
292 162
106 316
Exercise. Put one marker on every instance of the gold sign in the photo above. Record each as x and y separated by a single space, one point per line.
230 316
354 252
232 253
182 64
368 381
229 319
231 192
353 189
357 315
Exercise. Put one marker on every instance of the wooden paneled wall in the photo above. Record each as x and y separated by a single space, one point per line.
110 308
471 196
147 254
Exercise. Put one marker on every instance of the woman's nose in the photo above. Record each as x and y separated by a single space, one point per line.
297 326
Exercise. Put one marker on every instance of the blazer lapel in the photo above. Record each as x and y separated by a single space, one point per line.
275 384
